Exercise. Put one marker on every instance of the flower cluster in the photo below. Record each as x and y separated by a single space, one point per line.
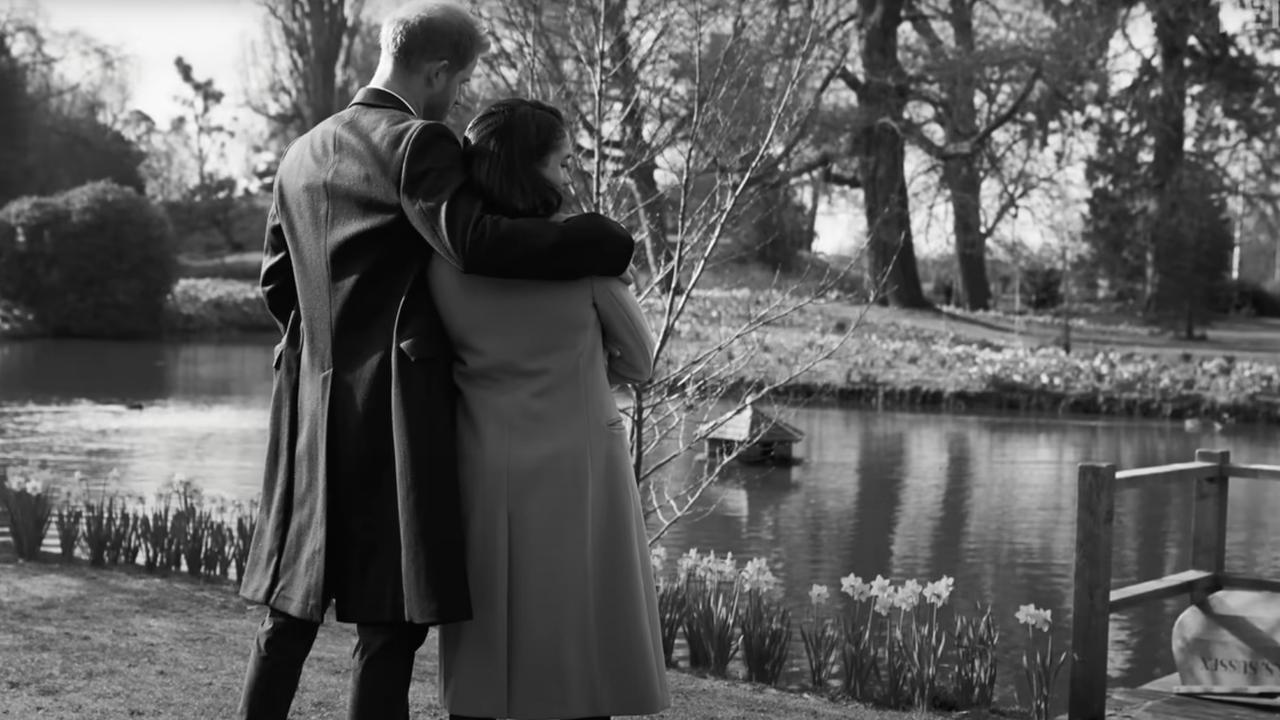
707 567
31 480
1035 617
938 592
657 559
886 597
906 356
894 644
757 576
1040 665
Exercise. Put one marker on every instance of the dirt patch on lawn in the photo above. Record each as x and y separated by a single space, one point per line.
77 643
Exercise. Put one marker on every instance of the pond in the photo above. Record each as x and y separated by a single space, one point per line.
987 499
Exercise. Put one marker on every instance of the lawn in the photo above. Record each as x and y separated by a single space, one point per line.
77 642
943 358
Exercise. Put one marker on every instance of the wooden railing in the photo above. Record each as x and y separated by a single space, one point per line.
1095 600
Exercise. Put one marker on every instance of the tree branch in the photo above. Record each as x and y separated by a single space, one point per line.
920 23
851 81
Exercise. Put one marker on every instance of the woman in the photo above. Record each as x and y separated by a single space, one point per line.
566 617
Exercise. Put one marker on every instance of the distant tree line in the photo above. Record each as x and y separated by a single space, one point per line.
735 120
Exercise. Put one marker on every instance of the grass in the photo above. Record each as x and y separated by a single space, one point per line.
944 358
77 642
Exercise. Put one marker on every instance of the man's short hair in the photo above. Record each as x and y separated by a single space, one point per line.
431 30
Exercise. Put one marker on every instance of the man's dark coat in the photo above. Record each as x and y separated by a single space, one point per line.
360 498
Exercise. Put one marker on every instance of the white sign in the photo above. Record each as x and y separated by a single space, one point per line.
1231 641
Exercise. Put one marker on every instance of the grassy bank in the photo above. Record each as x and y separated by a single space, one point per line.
949 361
928 359
82 643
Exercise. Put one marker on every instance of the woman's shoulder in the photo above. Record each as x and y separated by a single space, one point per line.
442 272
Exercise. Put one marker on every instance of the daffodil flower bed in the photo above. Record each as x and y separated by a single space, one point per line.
898 363
884 362
25 498
891 645
179 529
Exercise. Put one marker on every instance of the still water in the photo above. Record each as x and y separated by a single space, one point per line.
989 500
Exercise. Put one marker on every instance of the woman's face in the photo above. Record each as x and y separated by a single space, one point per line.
555 166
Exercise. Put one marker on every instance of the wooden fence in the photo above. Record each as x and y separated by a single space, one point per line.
1095 599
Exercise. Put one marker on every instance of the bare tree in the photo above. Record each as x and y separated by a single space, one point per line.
199 122
312 57
15 119
964 70
878 135
68 93
680 110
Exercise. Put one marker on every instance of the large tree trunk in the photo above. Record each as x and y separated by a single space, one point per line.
638 160
315 45
964 184
1174 19
13 123
879 145
961 174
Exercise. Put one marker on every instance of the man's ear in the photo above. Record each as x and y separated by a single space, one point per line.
437 73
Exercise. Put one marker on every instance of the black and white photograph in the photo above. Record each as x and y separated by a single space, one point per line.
625 359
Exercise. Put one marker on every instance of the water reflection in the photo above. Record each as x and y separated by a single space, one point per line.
946 551
989 500
871 526
234 372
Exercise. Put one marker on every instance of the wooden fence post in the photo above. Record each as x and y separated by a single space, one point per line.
1091 607
1209 521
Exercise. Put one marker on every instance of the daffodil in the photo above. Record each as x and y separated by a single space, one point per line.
883 604
819 594
906 597
688 563
657 558
1034 617
880 587
855 587
758 577
913 588
939 591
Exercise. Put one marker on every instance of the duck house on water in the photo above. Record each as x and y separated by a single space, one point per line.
757 437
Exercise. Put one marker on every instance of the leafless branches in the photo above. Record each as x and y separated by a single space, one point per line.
682 110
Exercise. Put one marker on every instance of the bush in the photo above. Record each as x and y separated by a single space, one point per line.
1042 286
217 305
240 266
219 224
1244 297
96 261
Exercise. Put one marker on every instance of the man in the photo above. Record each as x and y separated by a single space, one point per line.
360 498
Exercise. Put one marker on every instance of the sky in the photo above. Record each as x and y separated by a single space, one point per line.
213 36
209 34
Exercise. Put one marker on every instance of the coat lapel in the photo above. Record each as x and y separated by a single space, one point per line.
379 98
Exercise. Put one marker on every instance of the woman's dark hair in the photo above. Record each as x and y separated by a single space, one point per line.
509 139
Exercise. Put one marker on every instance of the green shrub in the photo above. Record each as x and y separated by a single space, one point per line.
219 224
93 261
217 305
1245 297
240 266
1042 286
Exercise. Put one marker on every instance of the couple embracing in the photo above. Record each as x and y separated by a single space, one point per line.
445 448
